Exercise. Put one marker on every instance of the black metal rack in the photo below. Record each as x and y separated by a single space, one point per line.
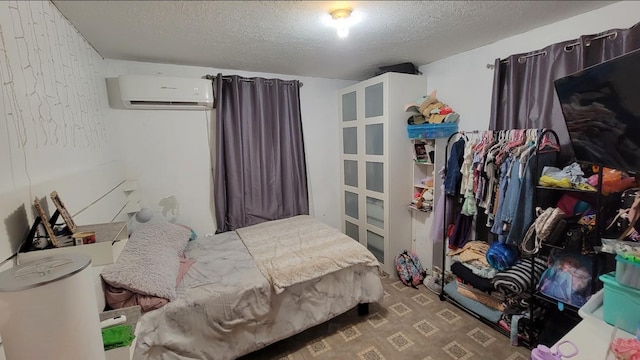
542 299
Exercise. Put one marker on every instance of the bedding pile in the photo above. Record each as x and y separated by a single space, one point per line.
297 249
148 268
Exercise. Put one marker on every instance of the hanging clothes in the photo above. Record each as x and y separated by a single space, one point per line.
523 213
438 229
503 185
495 171
453 175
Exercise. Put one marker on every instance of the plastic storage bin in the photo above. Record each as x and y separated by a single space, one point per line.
431 131
627 272
621 304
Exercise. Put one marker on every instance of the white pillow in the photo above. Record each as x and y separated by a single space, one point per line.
149 262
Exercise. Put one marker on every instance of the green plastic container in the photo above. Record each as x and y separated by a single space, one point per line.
627 272
621 304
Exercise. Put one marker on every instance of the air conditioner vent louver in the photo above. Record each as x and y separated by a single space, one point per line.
165 93
143 102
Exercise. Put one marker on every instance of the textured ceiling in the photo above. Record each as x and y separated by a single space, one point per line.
289 37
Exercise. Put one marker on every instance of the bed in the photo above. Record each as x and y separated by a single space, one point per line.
258 285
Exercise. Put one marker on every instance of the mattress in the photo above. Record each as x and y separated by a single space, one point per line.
226 308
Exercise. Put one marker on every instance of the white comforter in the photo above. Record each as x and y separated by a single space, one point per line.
226 308
301 248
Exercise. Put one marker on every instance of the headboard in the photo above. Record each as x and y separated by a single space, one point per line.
91 196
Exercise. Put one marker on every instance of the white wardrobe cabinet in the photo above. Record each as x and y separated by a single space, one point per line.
376 160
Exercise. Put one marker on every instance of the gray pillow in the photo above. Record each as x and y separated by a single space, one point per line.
149 262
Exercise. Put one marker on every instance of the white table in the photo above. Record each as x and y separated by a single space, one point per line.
592 335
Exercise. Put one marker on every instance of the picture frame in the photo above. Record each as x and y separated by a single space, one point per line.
55 198
44 221
420 153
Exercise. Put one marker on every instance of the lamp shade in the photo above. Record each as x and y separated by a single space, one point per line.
49 308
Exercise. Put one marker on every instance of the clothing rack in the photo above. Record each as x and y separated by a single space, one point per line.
443 295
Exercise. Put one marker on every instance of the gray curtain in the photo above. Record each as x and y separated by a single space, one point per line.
260 171
523 91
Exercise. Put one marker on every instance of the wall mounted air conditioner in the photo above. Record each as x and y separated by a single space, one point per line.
165 93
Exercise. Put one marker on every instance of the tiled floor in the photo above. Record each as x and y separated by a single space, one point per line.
409 324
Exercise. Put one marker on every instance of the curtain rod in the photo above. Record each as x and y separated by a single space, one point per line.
288 82
611 35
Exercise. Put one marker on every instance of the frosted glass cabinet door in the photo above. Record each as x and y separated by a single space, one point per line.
350 140
351 173
375 212
351 204
352 230
374 139
349 109
373 100
375 244
375 176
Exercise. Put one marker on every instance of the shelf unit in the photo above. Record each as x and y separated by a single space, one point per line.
598 200
423 170
422 219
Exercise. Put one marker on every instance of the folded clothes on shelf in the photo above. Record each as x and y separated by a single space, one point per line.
570 177
485 299
481 310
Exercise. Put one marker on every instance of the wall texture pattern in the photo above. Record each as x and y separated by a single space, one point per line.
52 96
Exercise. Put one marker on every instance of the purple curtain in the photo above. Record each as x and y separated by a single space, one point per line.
260 171
523 91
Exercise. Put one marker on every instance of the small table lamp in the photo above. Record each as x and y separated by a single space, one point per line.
48 310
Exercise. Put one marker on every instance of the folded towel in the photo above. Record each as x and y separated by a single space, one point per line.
117 336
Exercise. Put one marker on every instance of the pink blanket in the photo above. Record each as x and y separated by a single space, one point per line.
119 298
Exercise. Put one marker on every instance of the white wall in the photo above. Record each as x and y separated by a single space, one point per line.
464 82
52 112
167 151
53 97
52 116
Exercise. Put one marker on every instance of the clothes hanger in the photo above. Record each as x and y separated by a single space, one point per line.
514 140
493 139
526 145
546 145
495 149
524 156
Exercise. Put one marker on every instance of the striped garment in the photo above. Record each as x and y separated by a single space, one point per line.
517 279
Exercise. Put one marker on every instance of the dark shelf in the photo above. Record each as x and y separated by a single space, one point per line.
521 341
550 300
413 207
540 187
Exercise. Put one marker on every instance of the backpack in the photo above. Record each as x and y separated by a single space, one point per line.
409 269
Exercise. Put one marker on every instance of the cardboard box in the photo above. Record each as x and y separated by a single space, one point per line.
110 240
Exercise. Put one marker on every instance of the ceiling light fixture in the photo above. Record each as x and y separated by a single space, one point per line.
341 21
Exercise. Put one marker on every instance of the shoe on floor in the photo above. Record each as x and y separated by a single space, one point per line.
433 284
